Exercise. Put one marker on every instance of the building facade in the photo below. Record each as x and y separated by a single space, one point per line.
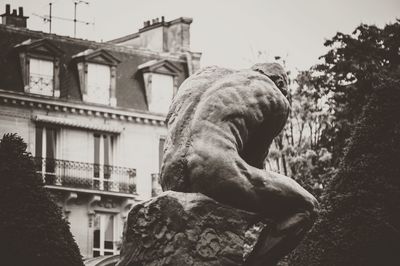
93 116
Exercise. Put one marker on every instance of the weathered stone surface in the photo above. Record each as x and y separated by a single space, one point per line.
188 229
220 126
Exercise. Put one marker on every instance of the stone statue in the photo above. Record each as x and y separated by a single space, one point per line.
220 126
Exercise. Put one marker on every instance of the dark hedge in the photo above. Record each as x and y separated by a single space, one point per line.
32 230
360 219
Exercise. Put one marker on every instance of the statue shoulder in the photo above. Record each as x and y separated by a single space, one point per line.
193 87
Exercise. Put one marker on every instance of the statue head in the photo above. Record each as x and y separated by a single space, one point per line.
275 72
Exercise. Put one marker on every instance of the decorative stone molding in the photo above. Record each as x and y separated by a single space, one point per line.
82 74
113 86
160 67
148 81
71 196
84 109
92 201
119 195
126 207
106 203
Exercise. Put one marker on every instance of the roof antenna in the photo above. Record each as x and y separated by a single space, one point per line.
49 18
50 5
76 2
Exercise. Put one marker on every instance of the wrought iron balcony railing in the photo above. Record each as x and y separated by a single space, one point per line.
86 175
41 84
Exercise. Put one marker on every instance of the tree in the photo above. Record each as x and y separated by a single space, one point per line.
299 150
32 229
327 100
354 65
360 223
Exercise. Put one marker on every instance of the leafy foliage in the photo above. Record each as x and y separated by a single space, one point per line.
354 65
327 101
32 229
299 150
360 224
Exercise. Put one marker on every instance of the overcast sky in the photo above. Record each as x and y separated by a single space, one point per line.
229 33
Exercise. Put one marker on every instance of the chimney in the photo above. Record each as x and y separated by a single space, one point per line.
178 35
14 19
165 36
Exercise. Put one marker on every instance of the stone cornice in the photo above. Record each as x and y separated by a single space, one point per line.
95 192
79 108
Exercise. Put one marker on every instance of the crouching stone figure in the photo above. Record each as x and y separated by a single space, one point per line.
220 126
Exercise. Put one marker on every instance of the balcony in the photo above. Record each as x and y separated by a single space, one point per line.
82 175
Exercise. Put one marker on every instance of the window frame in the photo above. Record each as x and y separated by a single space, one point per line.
90 95
101 57
41 49
151 93
100 175
47 166
45 59
101 249
163 67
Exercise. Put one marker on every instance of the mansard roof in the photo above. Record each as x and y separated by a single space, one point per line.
130 89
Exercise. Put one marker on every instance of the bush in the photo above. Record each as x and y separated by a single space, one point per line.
32 230
360 220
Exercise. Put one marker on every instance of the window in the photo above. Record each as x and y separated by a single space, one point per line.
160 80
39 62
103 153
104 241
45 152
41 77
97 72
162 91
98 83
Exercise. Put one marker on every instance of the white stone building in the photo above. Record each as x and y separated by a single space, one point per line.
93 116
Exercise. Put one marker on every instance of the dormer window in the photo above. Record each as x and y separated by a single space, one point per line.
160 79
39 61
97 76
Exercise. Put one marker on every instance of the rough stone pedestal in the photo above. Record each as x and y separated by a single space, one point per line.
188 229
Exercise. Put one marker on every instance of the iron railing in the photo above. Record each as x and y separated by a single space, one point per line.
86 175
41 84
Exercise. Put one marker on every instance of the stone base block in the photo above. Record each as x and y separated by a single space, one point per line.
188 229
